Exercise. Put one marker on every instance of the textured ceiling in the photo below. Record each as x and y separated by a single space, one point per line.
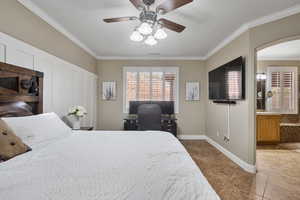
208 23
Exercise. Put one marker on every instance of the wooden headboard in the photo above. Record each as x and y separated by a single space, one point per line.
21 91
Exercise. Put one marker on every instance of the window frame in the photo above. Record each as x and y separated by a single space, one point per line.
174 69
281 69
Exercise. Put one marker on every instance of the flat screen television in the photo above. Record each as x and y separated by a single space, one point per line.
227 83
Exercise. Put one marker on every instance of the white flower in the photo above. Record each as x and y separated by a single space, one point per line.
78 111
82 109
72 110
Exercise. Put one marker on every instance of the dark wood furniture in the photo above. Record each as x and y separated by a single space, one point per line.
168 124
168 120
21 91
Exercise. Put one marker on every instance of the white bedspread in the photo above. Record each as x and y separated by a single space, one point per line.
106 166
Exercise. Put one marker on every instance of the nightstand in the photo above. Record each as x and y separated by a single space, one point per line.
87 128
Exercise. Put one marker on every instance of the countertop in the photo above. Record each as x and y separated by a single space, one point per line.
267 113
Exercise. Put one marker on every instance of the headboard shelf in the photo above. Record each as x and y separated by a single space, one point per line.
21 91
4 67
29 99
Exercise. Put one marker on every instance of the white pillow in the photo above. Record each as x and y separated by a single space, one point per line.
38 129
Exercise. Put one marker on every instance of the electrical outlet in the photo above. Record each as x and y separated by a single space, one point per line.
226 139
218 133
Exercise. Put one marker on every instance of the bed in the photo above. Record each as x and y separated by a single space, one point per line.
90 165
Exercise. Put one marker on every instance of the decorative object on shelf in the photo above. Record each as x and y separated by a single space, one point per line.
109 92
77 112
261 91
30 85
192 91
151 29
270 94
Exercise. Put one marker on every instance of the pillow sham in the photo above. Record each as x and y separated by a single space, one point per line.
39 129
10 144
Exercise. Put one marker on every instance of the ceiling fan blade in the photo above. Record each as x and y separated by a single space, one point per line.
171 25
119 19
170 5
138 4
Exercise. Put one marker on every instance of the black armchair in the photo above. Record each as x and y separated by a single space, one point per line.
149 117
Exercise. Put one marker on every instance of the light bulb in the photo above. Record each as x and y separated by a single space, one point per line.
151 40
145 28
160 34
136 36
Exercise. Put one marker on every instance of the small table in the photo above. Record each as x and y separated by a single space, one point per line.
88 128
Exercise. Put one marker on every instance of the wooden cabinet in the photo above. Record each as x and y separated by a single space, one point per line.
268 128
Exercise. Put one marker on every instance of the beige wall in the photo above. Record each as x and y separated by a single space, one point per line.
191 117
18 22
219 115
242 117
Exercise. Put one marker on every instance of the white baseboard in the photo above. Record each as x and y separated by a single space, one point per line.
244 165
191 137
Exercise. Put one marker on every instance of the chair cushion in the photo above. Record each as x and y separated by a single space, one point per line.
10 144
149 117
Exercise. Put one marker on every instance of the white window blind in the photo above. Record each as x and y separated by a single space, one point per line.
282 85
150 84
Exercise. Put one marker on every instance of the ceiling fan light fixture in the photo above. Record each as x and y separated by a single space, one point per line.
136 36
160 34
151 40
145 28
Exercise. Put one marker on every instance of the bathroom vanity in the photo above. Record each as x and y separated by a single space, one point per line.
268 127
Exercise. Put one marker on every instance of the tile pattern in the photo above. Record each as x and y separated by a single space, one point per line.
278 176
290 134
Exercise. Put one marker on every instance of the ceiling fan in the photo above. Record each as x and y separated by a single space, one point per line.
151 28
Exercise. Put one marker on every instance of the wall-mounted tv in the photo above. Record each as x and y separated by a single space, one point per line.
227 83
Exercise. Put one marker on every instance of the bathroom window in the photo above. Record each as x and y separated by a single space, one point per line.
282 90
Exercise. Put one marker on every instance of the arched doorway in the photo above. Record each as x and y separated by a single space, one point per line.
277 89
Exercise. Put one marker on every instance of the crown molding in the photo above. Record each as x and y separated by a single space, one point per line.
42 14
277 59
227 40
245 27
148 58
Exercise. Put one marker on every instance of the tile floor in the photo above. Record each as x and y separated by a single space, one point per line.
278 176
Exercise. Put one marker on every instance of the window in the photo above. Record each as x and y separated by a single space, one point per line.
282 90
150 84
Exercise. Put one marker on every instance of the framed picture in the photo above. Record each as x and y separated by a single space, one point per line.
192 91
109 90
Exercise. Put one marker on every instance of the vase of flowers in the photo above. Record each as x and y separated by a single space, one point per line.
77 112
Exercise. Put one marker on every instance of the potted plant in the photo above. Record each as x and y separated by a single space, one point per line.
77 112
